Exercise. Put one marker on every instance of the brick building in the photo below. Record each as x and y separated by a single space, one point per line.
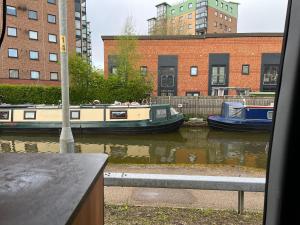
190 17
195 65
31 49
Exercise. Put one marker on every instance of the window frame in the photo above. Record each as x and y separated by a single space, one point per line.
52 3
54 36
54 79
243 71
39 73
37 35
193 67
143 72
33 51
75 111
13 78
51 53
112 117
26 118
31 18
192 93
15 28
13 57
53 16
7 10
6 112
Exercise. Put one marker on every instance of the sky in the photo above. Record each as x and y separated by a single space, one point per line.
108 17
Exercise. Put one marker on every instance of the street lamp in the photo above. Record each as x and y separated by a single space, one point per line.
66 136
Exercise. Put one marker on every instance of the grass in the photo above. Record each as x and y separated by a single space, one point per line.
134 215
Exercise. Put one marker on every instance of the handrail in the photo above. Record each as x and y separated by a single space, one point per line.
239 184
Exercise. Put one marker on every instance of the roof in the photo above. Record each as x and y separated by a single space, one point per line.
163 3
192 37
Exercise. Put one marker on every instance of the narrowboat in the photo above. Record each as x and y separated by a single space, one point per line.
236 116
116 118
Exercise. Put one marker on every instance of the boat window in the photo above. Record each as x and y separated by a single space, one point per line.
235 112
30 115
75 115
118 114
161 114
4 115
174 112
270 115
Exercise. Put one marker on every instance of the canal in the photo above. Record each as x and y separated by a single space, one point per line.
187 146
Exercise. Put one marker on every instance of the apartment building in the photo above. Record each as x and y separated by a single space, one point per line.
201 65
31 48
194 17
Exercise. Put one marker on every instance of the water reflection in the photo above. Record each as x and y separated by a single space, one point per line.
188 146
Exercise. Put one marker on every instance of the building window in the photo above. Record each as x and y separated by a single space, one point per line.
173 11
13 74
216 13
143 70
217 2
34 75
51 18
52 1
226 7
30 115
192 93
225 17
114 70
53 76
190 5
231 9
225 28
34 55
190 16
117 115
229 29
215 24
11 10
221 26
218 75
75 115
32 15
52 38
222 4
12 31
246 69
181 8
4 115
52 57
190 26
229 19
221 15
12 53
33 35
194 71
270 75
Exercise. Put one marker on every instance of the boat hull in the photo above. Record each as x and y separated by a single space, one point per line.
218 122
133 127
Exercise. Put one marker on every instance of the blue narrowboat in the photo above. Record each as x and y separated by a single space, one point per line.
236 116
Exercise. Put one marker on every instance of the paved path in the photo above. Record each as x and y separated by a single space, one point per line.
184 198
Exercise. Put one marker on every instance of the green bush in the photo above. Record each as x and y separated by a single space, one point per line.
105 90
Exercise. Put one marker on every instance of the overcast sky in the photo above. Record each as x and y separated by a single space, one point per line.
107 17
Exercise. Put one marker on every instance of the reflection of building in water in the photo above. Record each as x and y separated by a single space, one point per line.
197 156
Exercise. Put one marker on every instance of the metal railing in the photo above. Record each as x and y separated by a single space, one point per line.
239 184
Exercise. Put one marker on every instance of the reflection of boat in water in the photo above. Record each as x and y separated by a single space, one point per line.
238 117
91 118
248 150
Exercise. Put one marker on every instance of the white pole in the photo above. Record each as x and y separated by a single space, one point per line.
66 136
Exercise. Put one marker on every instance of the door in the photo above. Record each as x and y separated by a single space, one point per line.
167 81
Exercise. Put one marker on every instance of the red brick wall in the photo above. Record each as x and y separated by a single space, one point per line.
195 52
24 45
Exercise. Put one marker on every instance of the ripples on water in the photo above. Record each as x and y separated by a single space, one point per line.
187 146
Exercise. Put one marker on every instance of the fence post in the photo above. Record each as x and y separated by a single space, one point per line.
241 202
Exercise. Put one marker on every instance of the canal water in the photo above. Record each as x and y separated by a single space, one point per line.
187 146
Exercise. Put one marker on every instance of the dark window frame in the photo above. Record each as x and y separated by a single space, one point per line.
52 53
12 35
192 93
35 78
35 59
13 56
75 111
52 35
25 118
51 21
248 71
33 39
143 72
52 3
112 117
15 78
54 79
33 18
11 7
5 112
193 67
